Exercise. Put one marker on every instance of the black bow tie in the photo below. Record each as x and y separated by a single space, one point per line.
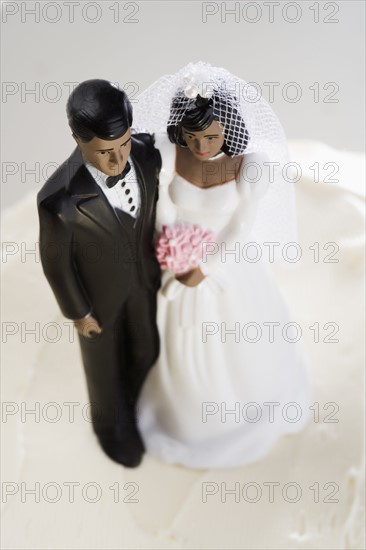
112 180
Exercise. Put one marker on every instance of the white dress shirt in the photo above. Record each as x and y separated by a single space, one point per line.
125 195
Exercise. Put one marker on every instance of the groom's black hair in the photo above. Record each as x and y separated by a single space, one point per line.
201 113
98 108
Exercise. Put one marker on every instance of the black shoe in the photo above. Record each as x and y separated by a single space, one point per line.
127 449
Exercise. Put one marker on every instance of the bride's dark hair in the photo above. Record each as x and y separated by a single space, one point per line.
201 112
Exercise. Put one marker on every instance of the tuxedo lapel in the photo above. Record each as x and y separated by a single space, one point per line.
92 202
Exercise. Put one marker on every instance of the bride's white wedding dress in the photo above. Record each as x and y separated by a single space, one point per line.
230 379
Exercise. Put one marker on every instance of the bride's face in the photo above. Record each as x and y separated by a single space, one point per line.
206 144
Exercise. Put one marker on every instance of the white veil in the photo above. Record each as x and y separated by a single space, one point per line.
275 219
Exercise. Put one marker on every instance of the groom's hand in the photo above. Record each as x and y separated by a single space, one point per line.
88 326
191 278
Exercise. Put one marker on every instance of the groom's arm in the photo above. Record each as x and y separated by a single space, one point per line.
57 257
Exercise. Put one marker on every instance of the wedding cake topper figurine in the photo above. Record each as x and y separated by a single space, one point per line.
97 216
229 380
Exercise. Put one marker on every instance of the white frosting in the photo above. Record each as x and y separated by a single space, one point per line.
170 512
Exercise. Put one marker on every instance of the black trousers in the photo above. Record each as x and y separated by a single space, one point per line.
117 361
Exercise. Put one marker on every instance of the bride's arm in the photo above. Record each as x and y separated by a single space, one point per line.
239 226
242 220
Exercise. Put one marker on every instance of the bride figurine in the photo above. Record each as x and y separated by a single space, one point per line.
231 378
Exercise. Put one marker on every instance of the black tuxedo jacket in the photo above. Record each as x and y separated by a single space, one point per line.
89 254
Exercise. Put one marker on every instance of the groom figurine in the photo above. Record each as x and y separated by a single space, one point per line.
97 217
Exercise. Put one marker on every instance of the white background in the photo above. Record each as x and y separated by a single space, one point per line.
46 45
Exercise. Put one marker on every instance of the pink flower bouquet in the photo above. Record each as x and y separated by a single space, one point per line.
179 247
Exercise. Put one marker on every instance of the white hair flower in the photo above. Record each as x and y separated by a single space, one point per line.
198 82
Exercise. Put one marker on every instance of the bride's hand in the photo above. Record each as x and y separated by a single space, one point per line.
191 278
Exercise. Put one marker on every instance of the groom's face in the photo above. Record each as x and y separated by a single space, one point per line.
108 156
